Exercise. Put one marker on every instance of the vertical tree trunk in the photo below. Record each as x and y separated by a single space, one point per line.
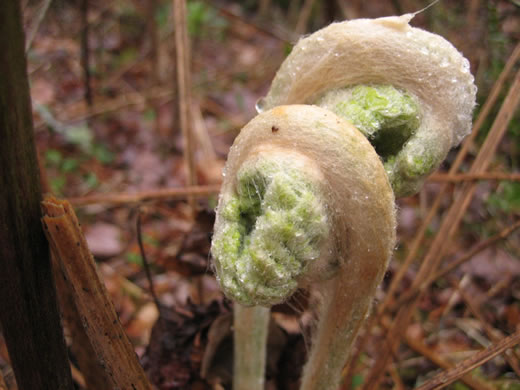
28 308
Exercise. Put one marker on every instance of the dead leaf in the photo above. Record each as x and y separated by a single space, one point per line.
104 240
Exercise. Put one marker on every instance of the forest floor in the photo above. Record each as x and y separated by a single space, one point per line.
127 142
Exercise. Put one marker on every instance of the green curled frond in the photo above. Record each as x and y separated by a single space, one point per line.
390 119
272 227
362 59
387 116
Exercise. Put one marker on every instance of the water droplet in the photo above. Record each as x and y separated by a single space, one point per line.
465 66
260 105
445 63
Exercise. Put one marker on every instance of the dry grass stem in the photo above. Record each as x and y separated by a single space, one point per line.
183 78
493 334
445 378
459 261
422 349
474 176
303 17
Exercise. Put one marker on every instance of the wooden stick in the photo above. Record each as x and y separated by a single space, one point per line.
100 321
123 198
93 373
28 307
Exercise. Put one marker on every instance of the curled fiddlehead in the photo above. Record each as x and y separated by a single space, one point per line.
335 67
359 110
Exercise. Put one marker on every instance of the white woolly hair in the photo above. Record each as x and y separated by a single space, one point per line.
382 51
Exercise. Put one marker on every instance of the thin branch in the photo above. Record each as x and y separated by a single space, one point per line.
167 194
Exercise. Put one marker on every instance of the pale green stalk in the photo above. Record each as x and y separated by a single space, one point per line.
250 326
